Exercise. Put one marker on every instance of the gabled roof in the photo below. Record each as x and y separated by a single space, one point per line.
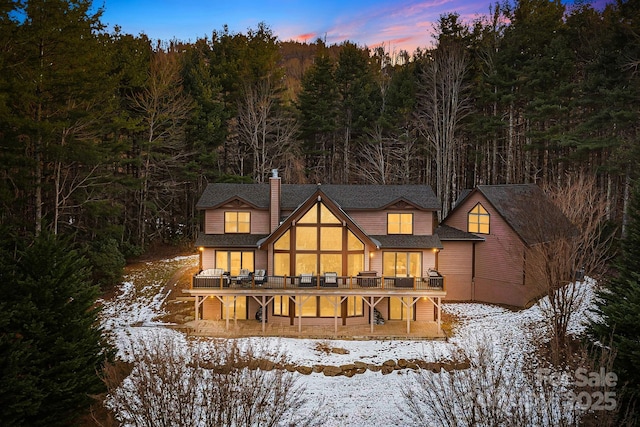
333 208
526 209
445 232
231 240
348 197
218 194
408 241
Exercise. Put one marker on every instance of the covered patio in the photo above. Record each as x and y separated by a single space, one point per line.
305 326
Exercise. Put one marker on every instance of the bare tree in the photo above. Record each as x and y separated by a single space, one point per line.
497 389
565 255
163 108
217 385
442 103
264 126
503 387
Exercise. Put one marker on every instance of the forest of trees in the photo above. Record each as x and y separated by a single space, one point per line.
111 137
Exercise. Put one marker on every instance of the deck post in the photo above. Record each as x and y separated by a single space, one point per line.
197 313
264 313
439 316
409 317
371 316
335 317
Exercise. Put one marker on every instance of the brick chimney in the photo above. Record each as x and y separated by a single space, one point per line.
274 200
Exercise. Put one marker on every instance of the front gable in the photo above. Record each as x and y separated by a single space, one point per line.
317 197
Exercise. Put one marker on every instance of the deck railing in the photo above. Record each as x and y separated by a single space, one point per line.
320 282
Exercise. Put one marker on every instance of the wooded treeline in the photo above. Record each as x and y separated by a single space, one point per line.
112 137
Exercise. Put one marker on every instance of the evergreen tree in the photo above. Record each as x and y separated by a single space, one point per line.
50 345
358 102
318 113
618 306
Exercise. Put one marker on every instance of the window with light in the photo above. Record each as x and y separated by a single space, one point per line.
478 220
237 222
399 223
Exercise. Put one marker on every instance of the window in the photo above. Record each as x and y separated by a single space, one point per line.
317 243
237 222
398 308
308 305
233 261
280 305
478 220
399 223
354 306
401 264
329 306
237 307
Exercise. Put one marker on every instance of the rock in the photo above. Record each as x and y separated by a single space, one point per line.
360 365
386 369
267 365
339 351
402 363
348 367
332 371
318 368
390 363
304 370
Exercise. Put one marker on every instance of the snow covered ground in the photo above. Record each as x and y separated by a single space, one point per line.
365 399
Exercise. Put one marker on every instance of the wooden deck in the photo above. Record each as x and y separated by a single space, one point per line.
391 330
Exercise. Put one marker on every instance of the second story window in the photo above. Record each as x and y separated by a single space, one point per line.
237 222
399 223
478 220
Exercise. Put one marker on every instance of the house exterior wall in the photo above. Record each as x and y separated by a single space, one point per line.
375 223
214 219
211 309
424 310
499 260
455 262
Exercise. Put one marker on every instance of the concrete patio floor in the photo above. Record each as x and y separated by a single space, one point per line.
391 330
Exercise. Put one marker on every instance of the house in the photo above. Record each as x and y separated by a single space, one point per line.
319 254
330 255
510 220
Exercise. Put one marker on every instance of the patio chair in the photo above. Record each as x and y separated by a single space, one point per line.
330 280
259 277
307 280
244 276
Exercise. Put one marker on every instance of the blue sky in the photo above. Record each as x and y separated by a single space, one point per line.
400 24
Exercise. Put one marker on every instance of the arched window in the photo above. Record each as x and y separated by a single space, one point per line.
478 220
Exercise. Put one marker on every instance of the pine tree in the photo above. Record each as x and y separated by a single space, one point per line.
318 113
618 306
51 346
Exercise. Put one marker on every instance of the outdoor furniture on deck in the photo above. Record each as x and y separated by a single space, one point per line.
330 280
259 277
213 278
367 279
307 280
243 277
403 282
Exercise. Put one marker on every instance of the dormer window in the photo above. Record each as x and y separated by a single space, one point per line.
478 221
399 223
237 222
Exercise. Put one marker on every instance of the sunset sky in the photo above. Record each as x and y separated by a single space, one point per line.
400 24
